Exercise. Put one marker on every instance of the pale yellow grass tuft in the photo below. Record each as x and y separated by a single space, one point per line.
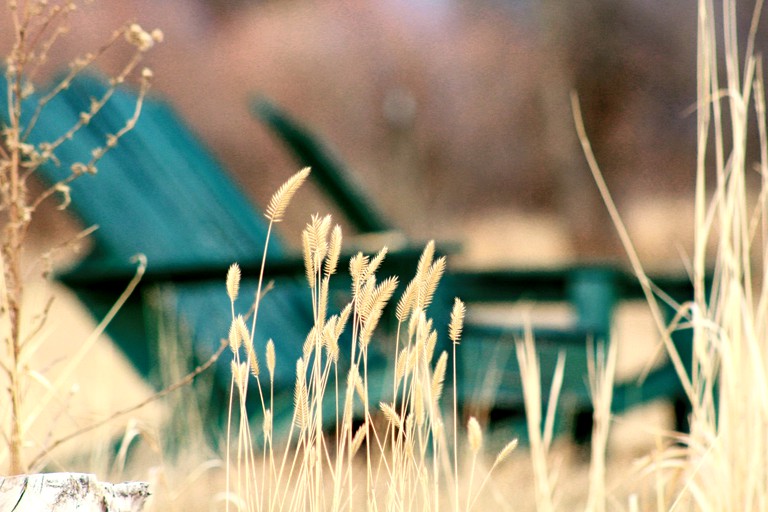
438 376
309 262
309 342
474 435
425 261
234 337
242 330
357 264
359 389
375 298
233 281
301 396
334 250
280 200
343 318
430 282
271 358
457 320
401 366
253 360
375 263
357 441
391 414
316 241
378 298
506 451
331 339
406 302
321 301
240 374
266 425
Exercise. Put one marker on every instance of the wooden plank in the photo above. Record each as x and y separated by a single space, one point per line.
327 169
184 207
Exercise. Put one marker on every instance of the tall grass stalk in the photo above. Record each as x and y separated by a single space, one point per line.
602 370
724 462
729 422
400 446
36 27
540 429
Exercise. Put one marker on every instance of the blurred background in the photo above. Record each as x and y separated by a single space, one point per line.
454 115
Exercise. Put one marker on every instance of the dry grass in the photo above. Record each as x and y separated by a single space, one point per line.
349 447
36 27
721 463
405 457
711 468
405 453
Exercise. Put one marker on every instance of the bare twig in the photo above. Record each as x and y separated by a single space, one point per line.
185 381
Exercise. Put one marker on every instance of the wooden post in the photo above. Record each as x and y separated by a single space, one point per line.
70 492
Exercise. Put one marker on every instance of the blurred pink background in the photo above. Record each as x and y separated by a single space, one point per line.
453 114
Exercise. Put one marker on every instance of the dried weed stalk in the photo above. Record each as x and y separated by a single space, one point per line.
399 456
37 25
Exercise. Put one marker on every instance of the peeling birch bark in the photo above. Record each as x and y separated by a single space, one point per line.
70 492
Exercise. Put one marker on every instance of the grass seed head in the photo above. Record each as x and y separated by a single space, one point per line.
140 38
429 346
430 282
360 389
309 262
309 343
357 266
240 372
322 302
391 414
504 453
343 318
301 396
330 340
280 199
271 358
253 360
357 440
234 337
457 320
242 330
376 262
406 302
475 435
267 424
320 234
334 250
438 376
233 281
425 261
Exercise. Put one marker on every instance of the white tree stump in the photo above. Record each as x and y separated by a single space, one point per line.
69 492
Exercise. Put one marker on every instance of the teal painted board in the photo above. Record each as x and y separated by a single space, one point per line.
95 200
187 206
329 171
161 193
152 193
